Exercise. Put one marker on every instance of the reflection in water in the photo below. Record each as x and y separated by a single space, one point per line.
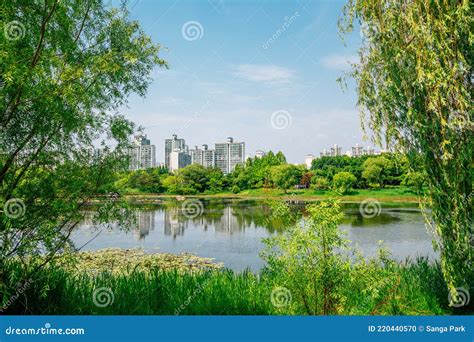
231 232
145 221
174 223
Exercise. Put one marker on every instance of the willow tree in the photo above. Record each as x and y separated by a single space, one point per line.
67 67
414 83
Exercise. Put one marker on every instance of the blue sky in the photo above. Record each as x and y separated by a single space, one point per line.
236 69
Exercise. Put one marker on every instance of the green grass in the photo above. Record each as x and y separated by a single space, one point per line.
397 194
419 291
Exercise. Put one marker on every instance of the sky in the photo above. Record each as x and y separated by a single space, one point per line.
262 72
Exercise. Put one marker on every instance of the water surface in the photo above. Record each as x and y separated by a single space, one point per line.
231 231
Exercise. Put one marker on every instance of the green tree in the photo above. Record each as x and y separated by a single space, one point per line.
306 179
67 67
319 183
377 171
285 176
343 182
414 84
308 259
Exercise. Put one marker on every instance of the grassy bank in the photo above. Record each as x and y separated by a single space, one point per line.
387 195
418 290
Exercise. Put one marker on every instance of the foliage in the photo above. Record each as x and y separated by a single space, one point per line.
414 84
149 180
307 259
58 291
194 179
377 171
256 172
319 183
63 79
343 182
306 179
311 260
272 171
286 176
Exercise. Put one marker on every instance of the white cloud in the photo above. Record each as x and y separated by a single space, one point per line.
266 73
339 62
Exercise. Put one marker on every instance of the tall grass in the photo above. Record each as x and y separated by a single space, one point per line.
418 290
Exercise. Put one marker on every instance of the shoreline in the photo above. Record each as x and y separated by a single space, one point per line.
150 198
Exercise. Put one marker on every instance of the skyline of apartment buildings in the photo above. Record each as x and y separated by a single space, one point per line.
225 156
142 154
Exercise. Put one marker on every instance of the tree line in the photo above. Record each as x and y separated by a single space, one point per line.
341 174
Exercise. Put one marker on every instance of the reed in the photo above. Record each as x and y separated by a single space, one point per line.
418 290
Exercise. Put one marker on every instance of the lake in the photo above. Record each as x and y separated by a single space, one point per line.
230 231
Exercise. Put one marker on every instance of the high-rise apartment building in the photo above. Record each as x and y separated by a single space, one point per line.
229 154
142 153
178 159
336 151
309 160
357 151
369 151
202 156
171 145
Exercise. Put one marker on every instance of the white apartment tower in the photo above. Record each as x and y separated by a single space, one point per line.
309 160
336 151
203 156
142 154
229 154
178 159
171 145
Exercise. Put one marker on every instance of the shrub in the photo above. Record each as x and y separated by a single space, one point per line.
343 182
307 261
319 183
